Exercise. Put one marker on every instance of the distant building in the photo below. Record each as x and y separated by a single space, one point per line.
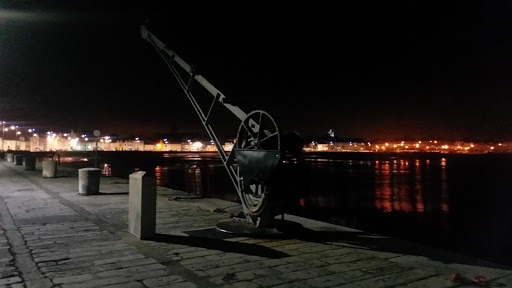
9 144
131 145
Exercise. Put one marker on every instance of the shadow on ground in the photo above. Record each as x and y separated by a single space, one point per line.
111 193
379 243
220 244
214 239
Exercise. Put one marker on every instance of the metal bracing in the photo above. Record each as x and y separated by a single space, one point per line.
257 145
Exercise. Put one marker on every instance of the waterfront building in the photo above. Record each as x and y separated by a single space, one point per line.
129 145
9 144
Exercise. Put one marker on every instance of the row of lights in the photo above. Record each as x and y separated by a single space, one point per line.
15 127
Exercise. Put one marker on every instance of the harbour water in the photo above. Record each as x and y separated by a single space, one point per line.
452 201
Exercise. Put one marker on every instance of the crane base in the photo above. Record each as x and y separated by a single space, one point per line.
240 227
237 226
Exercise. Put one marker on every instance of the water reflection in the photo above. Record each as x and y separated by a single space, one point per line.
106 169
418 188
401 187
158 175
444 187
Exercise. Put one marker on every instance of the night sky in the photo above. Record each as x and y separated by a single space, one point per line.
364 69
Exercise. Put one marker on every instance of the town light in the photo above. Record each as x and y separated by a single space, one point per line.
197 145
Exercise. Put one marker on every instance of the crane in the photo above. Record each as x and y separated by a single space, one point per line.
257 149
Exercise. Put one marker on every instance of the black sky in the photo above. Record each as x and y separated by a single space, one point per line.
364 69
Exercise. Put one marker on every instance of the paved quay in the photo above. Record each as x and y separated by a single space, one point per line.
50 236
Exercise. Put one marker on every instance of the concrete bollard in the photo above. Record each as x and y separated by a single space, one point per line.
18 160
142 205
49 169
89 181
30 163
9 157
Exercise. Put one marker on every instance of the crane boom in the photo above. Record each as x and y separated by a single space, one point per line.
257 147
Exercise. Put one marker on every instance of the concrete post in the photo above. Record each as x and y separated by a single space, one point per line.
49 169
18 160
30 163
142 205
89 181
9 157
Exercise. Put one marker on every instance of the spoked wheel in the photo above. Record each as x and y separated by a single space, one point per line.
260 133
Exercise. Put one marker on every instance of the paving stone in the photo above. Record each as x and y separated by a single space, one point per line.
199 254
298 284
72 279
89 268
130 271
241 284
118 259
301 245
184 250
272 280
503 281
394 280
299 266
194 260
276 244
10 280
236 268
316 248
437 282
385 269
184 285
274 262
254 274
163 281
126 285
346 258
216 264
7 271
306 274
117 280
338 279
365 263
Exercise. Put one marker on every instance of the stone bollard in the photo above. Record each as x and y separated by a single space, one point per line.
30 163
9 157
142 205
49 169
89 181
18 160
